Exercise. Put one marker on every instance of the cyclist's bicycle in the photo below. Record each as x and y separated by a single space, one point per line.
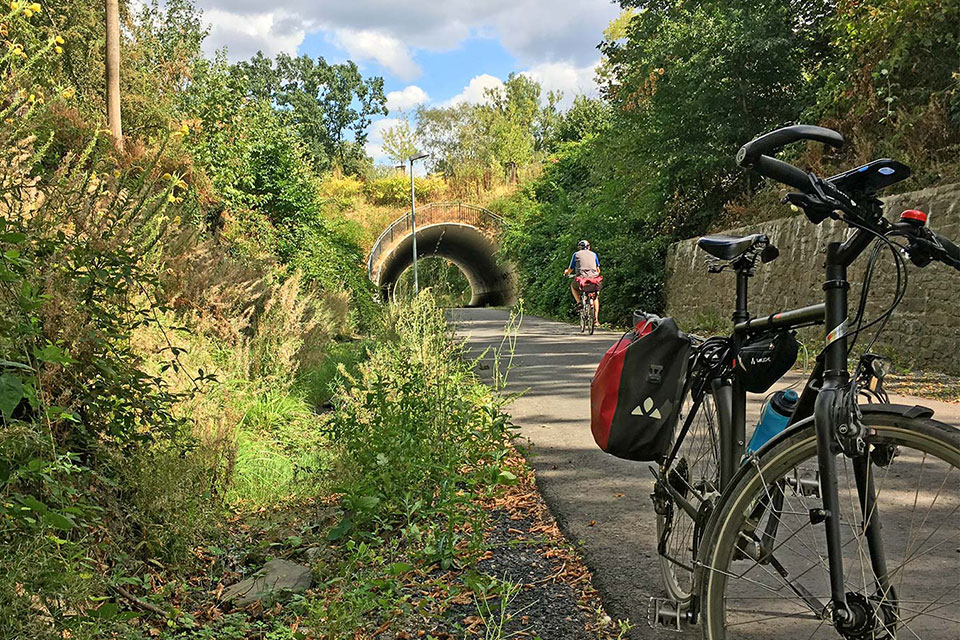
786 542
589 290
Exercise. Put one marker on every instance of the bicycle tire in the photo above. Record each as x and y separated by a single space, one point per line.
593 317
700 445
925 453
583 319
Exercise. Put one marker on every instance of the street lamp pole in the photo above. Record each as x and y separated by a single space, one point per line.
413 220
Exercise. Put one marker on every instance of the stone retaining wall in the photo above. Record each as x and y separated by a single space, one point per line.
923 333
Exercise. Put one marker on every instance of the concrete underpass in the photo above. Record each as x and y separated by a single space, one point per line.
491 283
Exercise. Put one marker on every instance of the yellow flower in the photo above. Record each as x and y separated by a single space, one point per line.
58 40
167 176
14 5
28 13
35 7
32 98
58 49
69 93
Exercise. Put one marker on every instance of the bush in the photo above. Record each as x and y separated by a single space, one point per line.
395 190
415 434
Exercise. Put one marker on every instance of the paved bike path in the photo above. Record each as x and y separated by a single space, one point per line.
600 501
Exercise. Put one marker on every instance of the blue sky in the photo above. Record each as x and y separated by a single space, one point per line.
433 52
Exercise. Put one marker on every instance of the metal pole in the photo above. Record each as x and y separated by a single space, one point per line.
413 224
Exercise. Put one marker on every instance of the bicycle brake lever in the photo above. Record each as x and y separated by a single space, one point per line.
815 209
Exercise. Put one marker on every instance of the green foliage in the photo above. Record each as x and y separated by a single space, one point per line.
892 84
416 435
447 283
471 143
579 196
395 189
328 105
400 141
586 117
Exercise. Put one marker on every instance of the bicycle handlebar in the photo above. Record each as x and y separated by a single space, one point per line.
782 172
770 143
950 249
821 194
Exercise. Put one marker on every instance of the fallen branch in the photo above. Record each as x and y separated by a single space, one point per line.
140 604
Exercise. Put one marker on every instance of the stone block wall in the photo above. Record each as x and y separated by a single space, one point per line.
924 333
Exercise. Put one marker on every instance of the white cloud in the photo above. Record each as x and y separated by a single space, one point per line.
246 33
365 44
407 98
565 77
475 91
387 31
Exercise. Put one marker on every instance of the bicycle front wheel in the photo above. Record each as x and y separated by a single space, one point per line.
765 572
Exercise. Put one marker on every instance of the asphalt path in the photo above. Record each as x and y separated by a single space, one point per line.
601 502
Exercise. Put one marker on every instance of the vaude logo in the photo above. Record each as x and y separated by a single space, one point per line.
646 409
761 360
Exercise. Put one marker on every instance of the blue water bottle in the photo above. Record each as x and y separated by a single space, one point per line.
773 419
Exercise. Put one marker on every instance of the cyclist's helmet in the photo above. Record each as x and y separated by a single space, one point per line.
583 244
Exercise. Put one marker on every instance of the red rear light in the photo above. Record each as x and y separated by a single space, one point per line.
915 215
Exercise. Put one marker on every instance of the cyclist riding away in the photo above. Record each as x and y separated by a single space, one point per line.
584 264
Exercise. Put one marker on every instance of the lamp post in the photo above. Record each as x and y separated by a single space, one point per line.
413 220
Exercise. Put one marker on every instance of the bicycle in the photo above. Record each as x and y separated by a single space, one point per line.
738 532
586 308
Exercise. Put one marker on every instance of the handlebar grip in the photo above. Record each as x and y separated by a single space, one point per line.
951 249
783 172
770 143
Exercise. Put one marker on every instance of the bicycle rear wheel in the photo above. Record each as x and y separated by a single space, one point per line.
583 315
593 317
763 586
694 475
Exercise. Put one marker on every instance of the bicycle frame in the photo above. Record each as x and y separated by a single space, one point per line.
824 398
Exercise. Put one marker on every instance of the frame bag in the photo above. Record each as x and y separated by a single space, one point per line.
635 394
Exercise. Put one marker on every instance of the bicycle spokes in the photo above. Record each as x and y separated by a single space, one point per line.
900 579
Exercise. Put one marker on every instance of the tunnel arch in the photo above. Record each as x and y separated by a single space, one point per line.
465 245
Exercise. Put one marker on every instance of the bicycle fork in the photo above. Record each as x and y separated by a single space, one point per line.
834 422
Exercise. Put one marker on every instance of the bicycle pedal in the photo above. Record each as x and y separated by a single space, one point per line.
665 613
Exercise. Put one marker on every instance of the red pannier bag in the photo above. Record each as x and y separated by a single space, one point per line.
636 392
589 285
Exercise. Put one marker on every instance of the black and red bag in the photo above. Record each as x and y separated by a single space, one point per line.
589 285
636 392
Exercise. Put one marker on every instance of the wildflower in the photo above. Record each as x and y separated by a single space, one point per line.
27 13
58 49
68 93
59 40
14 5
35 7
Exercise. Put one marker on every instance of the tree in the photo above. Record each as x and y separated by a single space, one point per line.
400 140
586 117
112 58
330 106
692 81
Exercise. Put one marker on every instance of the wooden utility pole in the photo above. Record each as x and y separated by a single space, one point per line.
113 72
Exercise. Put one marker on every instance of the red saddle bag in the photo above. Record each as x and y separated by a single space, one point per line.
636 392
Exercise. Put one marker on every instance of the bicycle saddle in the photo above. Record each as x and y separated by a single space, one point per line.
730 247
